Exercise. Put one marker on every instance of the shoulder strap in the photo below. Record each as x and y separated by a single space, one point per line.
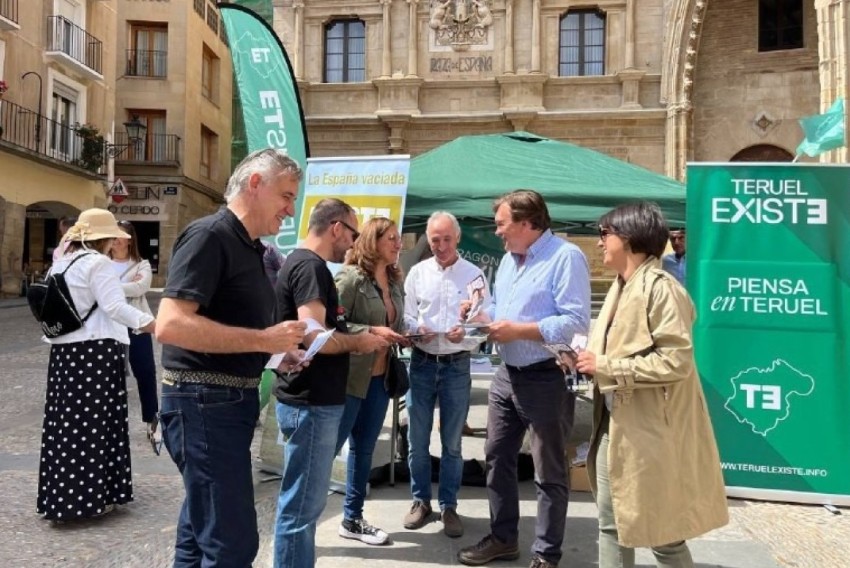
70 264
86 317
129 268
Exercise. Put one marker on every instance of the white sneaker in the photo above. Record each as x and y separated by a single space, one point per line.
358 529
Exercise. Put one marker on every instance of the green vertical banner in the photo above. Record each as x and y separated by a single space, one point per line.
271 106
769 271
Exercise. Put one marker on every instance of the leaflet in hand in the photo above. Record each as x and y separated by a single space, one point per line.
319 342
476 295
576 346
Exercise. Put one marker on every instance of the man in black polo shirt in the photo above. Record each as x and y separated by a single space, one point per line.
217 326
310 403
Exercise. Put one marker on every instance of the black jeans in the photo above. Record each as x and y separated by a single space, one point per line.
144 370
537 401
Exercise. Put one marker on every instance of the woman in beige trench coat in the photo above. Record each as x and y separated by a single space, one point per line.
653 462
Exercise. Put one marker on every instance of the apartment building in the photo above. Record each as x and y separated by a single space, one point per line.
174 77
96 91
55 64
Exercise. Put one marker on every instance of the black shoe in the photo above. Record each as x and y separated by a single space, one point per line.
487 550
358 529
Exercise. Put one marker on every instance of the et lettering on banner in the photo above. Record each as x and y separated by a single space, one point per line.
770 202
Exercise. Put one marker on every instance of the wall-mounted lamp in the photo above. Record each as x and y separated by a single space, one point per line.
135 134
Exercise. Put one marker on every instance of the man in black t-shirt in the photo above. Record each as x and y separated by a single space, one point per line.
217 325
310 403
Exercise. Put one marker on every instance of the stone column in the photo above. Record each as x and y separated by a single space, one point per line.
412 39
630 34
509 36
535 36
386 54
299 39
834 51
678 133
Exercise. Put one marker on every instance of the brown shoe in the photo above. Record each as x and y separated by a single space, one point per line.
487 550
451 524
419 515
467 430
540 562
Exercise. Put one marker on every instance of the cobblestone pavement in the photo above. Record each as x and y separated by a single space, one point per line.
141 533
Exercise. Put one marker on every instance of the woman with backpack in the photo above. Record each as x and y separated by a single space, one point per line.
85 445
135 275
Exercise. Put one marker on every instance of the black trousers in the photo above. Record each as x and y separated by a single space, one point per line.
538 401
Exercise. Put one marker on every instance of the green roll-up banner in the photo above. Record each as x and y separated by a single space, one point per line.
271 106
769 271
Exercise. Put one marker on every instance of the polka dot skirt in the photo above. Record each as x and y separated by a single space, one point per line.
85 441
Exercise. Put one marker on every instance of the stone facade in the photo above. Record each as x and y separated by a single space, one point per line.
683 79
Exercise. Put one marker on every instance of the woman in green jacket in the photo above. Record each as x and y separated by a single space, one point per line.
371 293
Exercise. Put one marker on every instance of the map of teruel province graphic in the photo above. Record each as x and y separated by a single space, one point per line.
762 398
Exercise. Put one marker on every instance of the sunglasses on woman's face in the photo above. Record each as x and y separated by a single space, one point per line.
603 233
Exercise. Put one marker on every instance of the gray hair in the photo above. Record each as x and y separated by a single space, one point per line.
327 212
438 214
268 162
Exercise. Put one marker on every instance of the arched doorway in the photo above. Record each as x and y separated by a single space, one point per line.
763 153
41 234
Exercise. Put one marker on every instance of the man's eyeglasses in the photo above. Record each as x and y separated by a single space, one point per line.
674 238
355 234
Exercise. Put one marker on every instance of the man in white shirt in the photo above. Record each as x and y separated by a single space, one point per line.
439 369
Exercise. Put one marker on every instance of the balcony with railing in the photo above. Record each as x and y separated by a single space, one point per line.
152 149
71 46
147 63
9 15
24 131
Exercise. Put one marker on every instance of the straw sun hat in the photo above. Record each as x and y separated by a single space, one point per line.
94 224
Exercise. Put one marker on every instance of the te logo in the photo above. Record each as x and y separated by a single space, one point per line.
769 396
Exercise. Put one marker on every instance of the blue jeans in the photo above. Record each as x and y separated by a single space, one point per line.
208 431
361 425
310 433
144 370
447 382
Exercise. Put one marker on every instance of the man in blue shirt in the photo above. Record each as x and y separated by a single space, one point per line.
541 295
675 263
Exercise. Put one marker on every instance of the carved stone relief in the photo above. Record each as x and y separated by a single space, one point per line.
460 24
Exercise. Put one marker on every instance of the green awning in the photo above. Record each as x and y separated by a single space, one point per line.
580 185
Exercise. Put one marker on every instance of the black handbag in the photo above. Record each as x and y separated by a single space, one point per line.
396 379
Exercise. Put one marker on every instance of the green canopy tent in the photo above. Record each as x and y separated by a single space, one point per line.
465 175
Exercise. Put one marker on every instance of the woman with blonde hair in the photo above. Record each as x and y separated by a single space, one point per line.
85 442
371 291
135 275
653 461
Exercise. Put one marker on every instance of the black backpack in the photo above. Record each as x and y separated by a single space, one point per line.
51 304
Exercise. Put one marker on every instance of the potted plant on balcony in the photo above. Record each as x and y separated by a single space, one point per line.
91 152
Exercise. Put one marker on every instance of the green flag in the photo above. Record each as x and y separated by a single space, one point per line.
271 106
823 132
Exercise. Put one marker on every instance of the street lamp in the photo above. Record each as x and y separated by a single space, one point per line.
135 133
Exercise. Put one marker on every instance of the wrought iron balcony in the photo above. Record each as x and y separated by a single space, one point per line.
70 45
147 63
9 15
163 149
37 135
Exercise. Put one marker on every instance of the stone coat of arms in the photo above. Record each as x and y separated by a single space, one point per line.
460 23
